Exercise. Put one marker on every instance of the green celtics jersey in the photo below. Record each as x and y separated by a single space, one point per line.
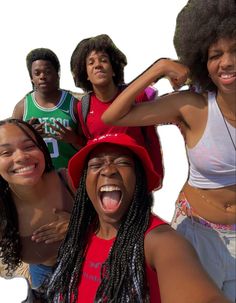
63 112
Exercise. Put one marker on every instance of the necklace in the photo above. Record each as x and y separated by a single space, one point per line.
227 127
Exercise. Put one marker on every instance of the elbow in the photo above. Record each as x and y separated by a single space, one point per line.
106 119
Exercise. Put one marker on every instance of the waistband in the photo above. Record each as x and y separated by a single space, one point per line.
184 208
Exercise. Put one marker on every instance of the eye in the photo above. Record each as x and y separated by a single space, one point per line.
124 162
5 153
94 165
214 56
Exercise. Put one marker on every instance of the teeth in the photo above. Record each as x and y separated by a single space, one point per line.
24 169
227 76
109 188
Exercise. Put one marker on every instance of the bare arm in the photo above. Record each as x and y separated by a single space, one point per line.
180 274
123 112
18 110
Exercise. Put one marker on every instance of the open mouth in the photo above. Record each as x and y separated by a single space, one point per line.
110 197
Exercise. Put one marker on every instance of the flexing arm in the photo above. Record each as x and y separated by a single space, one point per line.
123 111
181 276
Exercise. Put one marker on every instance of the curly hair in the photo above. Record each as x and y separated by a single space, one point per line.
200 24
10 244
101 43
123 273
42 54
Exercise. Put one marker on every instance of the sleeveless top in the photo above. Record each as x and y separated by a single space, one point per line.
97 252
146 136
213 159
63 112
38 253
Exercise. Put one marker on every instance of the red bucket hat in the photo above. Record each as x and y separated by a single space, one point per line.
78 161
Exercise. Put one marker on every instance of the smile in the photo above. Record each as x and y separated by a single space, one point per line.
25 169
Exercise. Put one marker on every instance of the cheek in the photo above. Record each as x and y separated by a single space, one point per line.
130 182
91 186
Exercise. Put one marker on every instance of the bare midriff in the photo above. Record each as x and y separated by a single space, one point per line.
214 205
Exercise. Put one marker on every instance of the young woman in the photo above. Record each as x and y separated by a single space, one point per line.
206 207
116 250
35 201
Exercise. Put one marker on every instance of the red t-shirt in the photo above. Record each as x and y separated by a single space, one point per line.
97 253
146 136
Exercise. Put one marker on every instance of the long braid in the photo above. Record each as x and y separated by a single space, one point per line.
123 274
70 256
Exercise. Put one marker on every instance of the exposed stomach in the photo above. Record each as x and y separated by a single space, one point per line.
215 205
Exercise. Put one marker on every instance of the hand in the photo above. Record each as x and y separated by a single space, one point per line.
174 71
66 134
37 125
54 231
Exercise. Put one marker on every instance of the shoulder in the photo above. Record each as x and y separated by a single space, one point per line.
163 243
18 111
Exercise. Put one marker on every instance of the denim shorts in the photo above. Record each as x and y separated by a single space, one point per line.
39 273
216 249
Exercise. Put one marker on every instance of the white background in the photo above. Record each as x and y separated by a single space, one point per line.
143 30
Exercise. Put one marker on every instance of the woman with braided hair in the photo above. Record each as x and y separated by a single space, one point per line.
205 40
116 250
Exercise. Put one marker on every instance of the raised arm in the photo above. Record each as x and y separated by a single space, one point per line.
123 111
181 276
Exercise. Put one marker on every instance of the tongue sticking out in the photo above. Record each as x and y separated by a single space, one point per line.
110 200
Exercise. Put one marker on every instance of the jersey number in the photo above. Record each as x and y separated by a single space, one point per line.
52 147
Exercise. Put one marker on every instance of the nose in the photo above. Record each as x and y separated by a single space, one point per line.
227 60
42 75
21 156
109 169
97 63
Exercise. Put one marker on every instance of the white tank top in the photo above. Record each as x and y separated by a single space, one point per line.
213 159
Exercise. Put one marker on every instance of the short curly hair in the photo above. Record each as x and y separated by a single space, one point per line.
84 48
200 24
42 54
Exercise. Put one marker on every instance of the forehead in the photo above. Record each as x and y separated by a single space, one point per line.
42 64
113 150
94 54
223 43
11 132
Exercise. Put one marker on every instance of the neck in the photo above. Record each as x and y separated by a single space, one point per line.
227 104
105 93
107 230
48 100
28 194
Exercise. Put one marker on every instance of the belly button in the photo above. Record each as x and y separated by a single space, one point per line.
227 205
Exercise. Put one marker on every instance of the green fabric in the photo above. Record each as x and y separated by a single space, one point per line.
60 151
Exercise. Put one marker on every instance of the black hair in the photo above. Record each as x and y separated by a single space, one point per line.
123 273
99 43
199 25
42 54
10 244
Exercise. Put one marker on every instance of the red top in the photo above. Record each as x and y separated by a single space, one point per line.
146 136
97 253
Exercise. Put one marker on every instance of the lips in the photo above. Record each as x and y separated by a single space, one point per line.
110 197
227 78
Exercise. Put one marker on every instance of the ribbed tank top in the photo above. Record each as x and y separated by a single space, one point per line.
213 159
